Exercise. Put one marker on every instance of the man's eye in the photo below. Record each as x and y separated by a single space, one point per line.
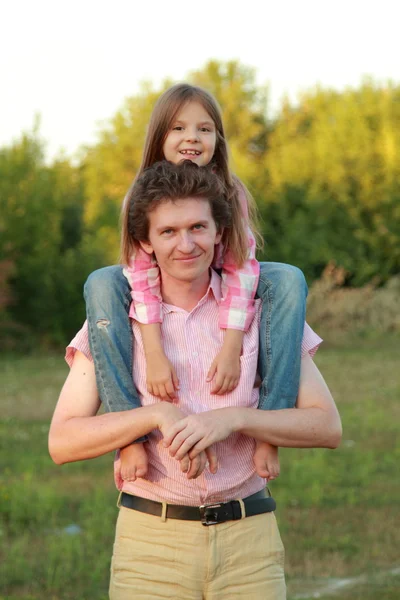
167 231
198 226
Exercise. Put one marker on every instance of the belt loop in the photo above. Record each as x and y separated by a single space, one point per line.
164 512
242 507
119 500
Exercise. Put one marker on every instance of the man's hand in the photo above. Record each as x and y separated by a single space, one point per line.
199 463
193 466
196 433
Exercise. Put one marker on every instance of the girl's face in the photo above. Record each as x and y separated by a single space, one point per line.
192 136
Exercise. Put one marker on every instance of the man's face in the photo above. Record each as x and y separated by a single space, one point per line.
183 235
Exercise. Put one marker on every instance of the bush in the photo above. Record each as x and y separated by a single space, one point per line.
335 308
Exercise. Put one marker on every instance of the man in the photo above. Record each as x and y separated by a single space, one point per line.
170 543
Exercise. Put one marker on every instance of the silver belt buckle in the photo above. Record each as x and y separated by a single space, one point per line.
208 517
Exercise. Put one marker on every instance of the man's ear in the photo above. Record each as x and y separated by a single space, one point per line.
219 235
147 247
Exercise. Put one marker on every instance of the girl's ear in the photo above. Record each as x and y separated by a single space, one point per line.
147 247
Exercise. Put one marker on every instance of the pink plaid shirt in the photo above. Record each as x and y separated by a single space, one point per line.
190 340
239 286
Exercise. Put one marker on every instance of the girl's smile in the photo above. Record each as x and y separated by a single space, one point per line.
192 136
189 152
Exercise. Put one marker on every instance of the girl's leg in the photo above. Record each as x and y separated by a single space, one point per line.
107 295
283 291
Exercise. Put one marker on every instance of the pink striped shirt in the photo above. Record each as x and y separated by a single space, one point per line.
239 286
191 339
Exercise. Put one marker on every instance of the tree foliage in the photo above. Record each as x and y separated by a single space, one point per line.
325 173
334 168
43 243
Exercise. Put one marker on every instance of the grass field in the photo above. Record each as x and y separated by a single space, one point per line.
337 510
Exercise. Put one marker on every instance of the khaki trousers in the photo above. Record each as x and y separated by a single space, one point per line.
184 560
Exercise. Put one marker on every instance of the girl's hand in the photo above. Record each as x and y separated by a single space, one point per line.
226 365
161 378
226 370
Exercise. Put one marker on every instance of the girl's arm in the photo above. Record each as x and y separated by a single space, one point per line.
237 309
161 377
239 286
143 276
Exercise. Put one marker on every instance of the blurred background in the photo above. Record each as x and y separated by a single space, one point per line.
310 94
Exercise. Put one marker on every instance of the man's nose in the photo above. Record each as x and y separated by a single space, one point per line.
186 243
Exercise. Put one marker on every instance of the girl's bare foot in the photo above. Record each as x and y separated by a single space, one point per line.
266 461
133 462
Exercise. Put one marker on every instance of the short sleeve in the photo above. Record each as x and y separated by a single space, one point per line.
311 341
80 342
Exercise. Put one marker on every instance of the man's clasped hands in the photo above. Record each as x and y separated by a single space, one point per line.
191 438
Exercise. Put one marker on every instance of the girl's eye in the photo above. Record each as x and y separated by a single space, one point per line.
177 128
205 129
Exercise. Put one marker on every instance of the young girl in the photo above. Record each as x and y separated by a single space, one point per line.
186 124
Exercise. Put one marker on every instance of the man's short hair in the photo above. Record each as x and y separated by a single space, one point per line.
167 182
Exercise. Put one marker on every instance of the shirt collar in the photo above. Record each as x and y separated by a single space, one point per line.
215 285
214 288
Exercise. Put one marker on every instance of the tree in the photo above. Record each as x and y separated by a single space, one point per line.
340 149
42 239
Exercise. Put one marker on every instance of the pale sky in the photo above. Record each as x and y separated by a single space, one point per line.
74 62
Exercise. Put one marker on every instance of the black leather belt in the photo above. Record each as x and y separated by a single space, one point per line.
208 514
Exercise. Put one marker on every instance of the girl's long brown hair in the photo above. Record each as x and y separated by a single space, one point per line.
165 110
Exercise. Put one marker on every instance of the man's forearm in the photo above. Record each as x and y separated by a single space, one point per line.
314 423
312 427
293 428
79 438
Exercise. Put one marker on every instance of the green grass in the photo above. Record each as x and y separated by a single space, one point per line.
337 509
